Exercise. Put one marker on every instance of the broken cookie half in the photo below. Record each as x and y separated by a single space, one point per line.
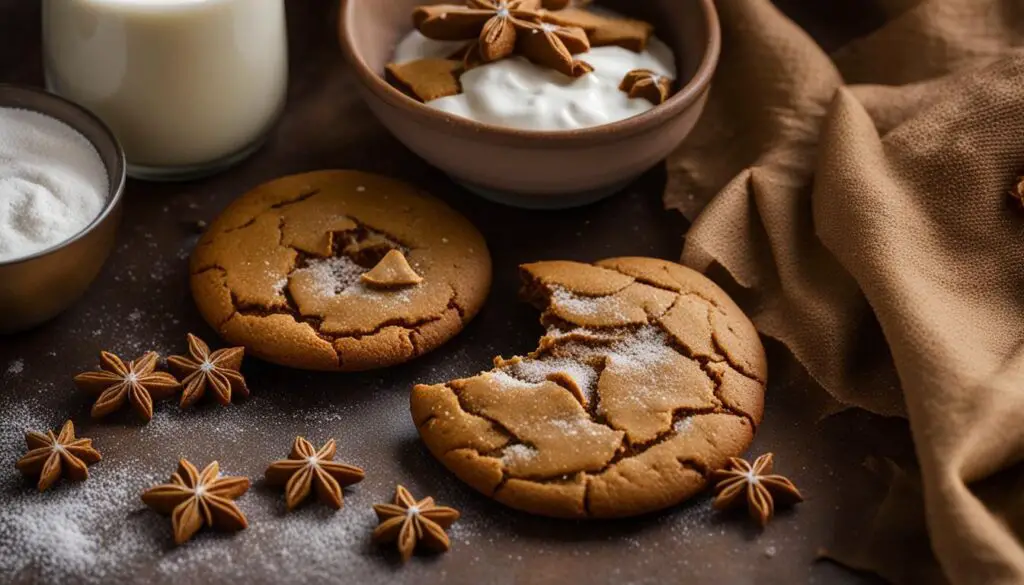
647 380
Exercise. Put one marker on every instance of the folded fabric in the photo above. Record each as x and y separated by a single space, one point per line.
862 200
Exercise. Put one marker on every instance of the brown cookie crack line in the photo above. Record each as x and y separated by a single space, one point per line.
279 271
649 378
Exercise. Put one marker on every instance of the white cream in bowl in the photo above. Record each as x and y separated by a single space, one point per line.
516 93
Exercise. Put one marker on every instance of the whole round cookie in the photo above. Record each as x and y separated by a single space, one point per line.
648 379
339 271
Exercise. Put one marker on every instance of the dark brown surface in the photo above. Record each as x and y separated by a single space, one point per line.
141 302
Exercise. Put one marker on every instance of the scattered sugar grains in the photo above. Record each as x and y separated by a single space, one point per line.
536 371
52 182
16 367
333 275
518 453
100 532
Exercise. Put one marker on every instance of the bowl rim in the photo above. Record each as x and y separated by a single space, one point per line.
116 176
689 94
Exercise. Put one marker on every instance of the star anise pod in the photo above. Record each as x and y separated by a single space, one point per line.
501 28
306 469
761 489
217 370
552 45
118 382
51 456
410 523
646 84
194 498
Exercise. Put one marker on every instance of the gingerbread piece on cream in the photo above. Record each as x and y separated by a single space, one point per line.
426 79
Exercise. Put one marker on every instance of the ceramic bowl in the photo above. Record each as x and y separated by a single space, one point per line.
36 288
534 168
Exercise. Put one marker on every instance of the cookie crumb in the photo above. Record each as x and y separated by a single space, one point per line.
426 79
393 271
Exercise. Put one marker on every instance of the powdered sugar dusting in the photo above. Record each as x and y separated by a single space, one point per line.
577 427
683 425
507 381
518 454
332 276
99 531
578 305
16 367
538 370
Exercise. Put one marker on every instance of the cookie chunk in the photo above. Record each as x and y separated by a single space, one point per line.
648 379
426 79
281 272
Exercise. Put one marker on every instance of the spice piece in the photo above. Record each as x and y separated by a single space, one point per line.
410 523
762 490
553 45
117 382
307 469
201 368
426 79
646 84
504 27
604 31
51 456
193 498
392 271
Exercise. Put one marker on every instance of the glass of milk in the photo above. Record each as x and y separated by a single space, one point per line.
189 87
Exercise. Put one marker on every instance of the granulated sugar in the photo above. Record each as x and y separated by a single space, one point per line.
683 425
99 531
516 454
16 367
537 371
52 183
333 275
609 306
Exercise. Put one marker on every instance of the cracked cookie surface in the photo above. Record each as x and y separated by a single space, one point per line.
280 271
648 378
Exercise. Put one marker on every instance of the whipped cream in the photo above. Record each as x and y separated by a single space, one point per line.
516 93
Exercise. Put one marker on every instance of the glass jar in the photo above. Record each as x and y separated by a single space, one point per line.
188 86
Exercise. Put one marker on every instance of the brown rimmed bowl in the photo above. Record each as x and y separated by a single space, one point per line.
534 168
36 288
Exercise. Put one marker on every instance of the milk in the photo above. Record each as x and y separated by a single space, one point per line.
186 85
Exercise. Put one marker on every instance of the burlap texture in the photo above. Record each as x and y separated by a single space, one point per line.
861 200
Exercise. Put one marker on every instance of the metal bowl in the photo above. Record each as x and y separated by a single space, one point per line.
36 288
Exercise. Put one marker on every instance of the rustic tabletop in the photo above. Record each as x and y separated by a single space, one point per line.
99 531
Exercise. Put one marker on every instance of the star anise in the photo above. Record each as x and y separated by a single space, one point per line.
201 369
117 383
646 84
409 523
307 469
194 498
761 489
51 456
501 28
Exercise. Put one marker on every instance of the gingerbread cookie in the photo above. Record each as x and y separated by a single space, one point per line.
648 379
339 271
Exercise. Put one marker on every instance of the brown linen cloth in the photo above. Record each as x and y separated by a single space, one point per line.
861 200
